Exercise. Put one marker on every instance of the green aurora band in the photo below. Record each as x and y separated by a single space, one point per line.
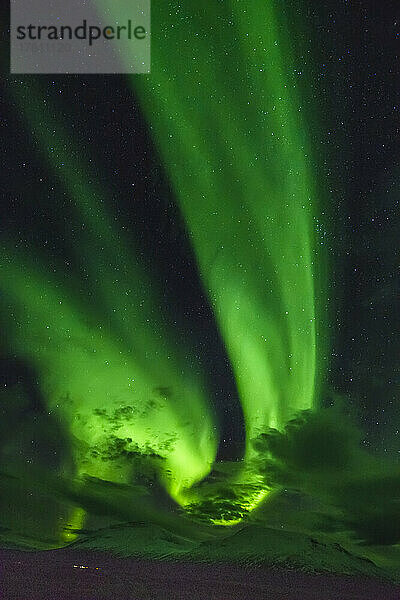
231 138
105 375
225 113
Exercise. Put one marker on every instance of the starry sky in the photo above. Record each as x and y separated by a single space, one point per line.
358 83
69 137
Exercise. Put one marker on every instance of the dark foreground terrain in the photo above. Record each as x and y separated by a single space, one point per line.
83 575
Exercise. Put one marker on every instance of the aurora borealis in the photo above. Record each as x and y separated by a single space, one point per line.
248 199
169 290
253 241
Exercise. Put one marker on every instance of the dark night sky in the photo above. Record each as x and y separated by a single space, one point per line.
360 81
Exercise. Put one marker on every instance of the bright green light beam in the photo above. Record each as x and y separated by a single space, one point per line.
223 103
114 361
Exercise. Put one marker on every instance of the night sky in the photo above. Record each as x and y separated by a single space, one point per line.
115 256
